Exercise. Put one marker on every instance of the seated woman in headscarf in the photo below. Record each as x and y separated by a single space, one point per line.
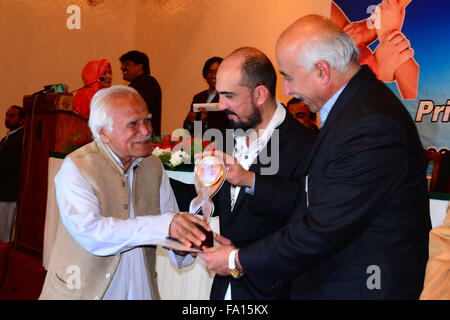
98 74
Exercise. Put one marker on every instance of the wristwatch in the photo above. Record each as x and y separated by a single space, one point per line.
232 269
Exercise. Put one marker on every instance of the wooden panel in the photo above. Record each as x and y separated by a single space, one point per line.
33 190
45 132
48 102
69 124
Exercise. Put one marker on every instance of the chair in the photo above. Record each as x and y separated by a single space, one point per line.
435 157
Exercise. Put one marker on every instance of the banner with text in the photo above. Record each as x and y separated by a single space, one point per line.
422 82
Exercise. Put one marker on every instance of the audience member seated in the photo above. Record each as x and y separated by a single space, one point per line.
300 112
212 119
92 73
10 158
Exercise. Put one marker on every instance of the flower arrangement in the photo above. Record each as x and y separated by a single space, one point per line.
76 141
179 154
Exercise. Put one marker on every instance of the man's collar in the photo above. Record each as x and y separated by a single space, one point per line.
139 76
14 131
119 162
211 95
325 110
277 118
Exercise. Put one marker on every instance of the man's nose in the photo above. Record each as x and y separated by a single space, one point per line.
222 105
146 128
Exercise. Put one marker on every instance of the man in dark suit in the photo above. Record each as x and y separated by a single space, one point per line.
136 69
10 160
267 158
360 231
214 119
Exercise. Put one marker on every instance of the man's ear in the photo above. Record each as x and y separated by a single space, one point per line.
104 136
260 95
322 72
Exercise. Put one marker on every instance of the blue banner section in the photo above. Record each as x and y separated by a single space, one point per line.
423 81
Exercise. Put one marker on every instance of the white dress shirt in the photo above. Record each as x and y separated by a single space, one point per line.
246 155
103 236
326 108
211 96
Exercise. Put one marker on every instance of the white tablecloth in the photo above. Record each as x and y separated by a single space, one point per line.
190 283
52 212
185 177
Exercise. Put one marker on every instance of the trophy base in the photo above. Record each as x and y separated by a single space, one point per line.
209 241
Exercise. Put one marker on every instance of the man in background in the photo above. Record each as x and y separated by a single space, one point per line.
10 161
213 119
136 69
300 112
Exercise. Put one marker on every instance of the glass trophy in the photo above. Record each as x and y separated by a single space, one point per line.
210 174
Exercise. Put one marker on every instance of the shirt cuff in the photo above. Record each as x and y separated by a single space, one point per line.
251 191
169 216
181 261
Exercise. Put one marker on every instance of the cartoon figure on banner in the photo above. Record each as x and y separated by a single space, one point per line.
392 59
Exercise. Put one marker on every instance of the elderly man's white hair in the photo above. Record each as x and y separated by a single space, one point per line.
338 50
318 38
100 105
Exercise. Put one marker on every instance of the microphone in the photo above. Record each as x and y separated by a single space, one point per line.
60 87
89 84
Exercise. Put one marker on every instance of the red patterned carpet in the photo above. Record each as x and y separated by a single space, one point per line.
21 275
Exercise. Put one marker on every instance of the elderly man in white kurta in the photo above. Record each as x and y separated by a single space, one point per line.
114 198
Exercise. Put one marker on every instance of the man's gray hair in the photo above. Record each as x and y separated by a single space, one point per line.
336 48
99 116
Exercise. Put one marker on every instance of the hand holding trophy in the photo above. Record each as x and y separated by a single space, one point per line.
210 174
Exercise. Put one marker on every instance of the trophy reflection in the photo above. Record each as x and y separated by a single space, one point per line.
210 174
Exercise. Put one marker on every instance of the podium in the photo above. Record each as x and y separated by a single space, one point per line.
49 121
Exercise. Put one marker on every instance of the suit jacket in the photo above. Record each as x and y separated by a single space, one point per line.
149 88
10 162
254 217
361 229
216 119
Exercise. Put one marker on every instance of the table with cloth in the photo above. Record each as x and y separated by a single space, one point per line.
193 282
